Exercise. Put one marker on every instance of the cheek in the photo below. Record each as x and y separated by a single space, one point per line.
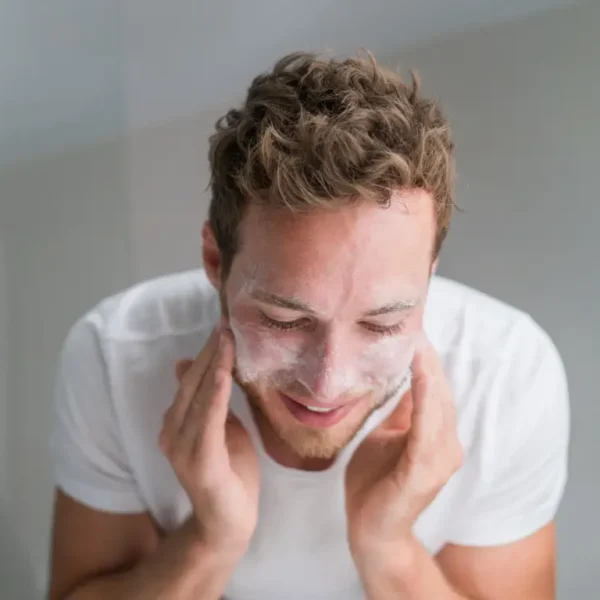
259 353
389 359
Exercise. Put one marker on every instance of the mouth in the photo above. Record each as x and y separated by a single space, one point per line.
316 416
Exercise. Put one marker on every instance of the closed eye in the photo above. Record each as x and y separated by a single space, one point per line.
304 322
384 329
283 325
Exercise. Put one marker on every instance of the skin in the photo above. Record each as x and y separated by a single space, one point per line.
347 274
342 264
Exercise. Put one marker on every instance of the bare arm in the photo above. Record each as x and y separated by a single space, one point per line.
97 555
523 569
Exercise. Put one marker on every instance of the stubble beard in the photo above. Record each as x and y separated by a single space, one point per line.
308 442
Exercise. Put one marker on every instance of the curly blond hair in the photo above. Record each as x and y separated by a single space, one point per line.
315 133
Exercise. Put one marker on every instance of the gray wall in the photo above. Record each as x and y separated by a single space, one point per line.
15 572
3 372
67 244
523 99
168 175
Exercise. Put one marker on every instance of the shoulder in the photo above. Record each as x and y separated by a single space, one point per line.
165 306
468 325
499 359
513 416
154 317
115 379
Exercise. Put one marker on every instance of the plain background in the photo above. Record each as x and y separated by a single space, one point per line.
524 102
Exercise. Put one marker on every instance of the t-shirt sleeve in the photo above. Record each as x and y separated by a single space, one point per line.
91 465
524 475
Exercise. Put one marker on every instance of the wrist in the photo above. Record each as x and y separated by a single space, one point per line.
403 569
220 550
379 559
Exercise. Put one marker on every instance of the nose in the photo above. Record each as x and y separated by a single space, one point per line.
324 371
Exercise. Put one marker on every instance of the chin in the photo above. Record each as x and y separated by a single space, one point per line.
307 442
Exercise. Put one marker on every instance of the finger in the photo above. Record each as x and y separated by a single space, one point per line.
182 367
436 422
197 419
193 376
431 369
400 419
427 392
216 397
235 435
426 364
188 384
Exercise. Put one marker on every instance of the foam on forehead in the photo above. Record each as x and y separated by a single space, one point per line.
373 296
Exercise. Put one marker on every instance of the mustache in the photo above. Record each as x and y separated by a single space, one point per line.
292 387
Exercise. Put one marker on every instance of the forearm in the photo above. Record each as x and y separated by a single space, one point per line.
181 568
405 571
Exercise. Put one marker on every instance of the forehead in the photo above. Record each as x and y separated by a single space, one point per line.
359 251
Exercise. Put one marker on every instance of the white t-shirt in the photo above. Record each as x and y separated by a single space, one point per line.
116 379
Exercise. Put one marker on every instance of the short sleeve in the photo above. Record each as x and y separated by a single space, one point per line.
522 485
91 465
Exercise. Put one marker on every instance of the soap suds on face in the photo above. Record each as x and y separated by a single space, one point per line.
344 266
330 362
282 362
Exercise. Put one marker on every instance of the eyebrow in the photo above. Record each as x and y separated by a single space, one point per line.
281 301
298 305
401 306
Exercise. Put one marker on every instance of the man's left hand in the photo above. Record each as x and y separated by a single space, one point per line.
399 469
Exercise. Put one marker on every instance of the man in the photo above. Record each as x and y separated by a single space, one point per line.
313 416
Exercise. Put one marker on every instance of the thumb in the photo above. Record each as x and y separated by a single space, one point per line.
181 368
237 437
400 419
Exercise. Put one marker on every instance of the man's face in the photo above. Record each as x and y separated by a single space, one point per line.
325 308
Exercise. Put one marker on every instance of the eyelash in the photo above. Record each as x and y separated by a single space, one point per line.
298 324
392 330
281 325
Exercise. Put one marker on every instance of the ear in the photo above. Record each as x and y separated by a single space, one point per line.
434 266
211 256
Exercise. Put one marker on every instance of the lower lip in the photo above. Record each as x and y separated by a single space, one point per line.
316 419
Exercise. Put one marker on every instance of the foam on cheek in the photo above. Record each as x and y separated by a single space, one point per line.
263 356
381 365
260 356
387 361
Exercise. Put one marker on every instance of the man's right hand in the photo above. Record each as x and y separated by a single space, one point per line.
210 450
